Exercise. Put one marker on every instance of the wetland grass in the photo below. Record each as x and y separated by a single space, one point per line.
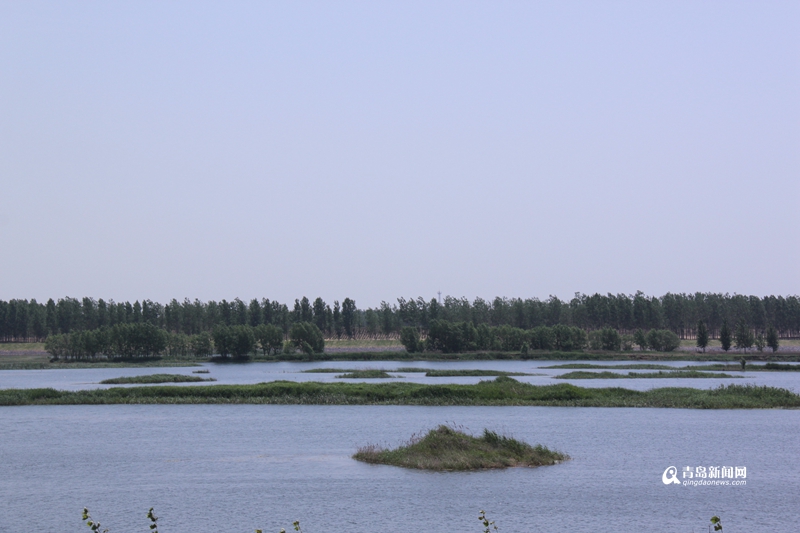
154 378
471 373
448 448
366 374
578 374
501 391
751 367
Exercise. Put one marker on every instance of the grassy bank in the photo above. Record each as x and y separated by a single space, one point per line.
154 378
769 367
471 373
579 374
35 361
365 374
373 373
501 391
446 448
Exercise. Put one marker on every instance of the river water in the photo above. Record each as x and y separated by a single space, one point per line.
89 378
238 468
234 468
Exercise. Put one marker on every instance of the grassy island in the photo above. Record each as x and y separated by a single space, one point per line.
501 391
446 448
469 373
366 374
154 378
579 374
769 367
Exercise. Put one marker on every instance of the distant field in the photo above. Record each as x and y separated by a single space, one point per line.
360 343
21 347
714 343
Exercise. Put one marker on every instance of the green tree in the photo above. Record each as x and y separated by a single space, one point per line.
223 340
610 339
725 336
201 345
243 341
306 312
307 337
51 319
409 337
662 340
269 337
772 338
320 318
744 336
640 339
337 319
760 342
348 316
255 314
702 335
386 318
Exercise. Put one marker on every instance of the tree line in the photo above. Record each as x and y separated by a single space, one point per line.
29 320
455 337
143 340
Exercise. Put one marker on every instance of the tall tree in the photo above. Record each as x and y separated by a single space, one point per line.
702 335
240 312
725 336
306 314
744 337
337 319
137 312
320 318
772 338
254 313
348 316
51 318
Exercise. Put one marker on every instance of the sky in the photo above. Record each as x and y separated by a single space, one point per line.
375 150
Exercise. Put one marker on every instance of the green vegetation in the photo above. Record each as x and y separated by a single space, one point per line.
772 339
427 371
702 336
478 373
637 366
501 391
778 366
578 374
769 367
155 378
744 336
608 315
16 347
409 337
725 336
42 362
326 370
307 337
447 448
366 374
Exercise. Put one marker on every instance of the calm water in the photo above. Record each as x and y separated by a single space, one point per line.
77 379
236 468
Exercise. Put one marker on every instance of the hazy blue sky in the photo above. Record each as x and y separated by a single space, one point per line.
384 149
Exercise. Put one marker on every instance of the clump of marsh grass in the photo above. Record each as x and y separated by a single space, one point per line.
154 378
366 374
449 448
580 374
478 373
